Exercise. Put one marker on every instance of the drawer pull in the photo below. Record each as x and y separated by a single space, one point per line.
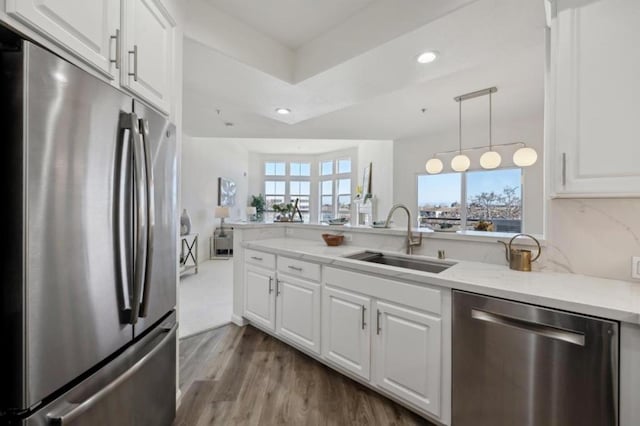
378 329
295 268
363 322
259 259
270 285
277 287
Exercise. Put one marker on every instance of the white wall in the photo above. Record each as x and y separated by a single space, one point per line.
380 154
411 154
204 160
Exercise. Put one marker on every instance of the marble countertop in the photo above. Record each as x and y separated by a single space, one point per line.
398 228
617 300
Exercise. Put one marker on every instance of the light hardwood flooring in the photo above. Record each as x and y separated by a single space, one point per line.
242 376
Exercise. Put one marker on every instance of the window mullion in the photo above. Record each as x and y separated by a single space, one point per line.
463 201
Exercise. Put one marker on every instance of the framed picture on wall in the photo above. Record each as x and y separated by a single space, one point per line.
366 179
226 192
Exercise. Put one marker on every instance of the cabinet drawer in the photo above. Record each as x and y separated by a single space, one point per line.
299 268
266 260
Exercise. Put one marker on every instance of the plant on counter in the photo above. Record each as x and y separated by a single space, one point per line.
285 212
259 202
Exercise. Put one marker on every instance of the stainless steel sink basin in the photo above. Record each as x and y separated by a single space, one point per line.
402 261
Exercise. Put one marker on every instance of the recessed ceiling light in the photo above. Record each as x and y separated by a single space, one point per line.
283 111
427 57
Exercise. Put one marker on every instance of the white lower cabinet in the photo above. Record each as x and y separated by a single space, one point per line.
346 335
391 335
298 311
259 296
407 355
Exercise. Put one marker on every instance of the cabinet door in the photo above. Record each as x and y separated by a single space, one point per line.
407 355
148 42
595 64
346 330
298 311
84 27
259 296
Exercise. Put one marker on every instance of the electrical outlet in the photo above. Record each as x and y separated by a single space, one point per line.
348 237
635 267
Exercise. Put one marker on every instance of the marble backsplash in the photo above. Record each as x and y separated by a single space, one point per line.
595 237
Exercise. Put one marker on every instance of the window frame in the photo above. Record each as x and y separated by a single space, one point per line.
463 196
315 202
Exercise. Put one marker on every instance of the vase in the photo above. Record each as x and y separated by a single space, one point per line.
185 223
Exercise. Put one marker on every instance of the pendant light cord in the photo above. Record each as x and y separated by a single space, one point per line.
460 125
490 122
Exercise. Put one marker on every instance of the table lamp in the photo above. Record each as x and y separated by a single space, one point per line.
222 213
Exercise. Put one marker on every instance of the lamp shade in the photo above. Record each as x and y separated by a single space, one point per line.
221 212
434 166
460 163
525 157
490 160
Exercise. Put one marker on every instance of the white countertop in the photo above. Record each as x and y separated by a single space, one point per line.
617 300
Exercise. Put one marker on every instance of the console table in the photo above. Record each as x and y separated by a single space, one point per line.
188 253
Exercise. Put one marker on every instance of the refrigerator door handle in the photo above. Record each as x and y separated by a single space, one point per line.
151 216
120 216
140 255
75 410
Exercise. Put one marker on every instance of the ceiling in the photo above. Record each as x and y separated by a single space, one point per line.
340 86
291 22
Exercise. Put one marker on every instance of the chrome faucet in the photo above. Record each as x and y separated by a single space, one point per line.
411 242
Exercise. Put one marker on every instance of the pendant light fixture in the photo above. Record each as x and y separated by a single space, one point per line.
490 159
434 166
525 157
460 162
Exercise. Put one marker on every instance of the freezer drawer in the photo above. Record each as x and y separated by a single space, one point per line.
519 364
137 388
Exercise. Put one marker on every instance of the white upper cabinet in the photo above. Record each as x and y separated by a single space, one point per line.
84 27
148 51
594 93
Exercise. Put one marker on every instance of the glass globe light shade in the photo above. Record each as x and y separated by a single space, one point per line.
525 157
460 163
434 166
490 160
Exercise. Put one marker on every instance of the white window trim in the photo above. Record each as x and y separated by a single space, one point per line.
314 179
463 198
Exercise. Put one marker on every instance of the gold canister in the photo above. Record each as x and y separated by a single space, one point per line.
520 259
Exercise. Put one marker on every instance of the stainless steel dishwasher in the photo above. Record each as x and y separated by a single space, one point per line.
516 364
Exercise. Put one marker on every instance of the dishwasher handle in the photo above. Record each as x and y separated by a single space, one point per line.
555 333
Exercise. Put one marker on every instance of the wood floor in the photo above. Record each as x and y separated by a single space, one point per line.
242 376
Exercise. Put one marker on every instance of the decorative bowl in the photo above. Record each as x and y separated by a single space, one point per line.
333 240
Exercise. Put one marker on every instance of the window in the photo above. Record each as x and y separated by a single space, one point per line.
485 200
335 189
322 184
300 169
274 169
301 190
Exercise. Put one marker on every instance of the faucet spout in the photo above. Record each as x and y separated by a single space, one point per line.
411 242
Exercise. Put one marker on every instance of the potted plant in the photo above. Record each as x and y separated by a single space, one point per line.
285 212
259 202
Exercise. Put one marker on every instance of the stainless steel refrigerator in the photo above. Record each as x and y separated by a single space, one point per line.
89 223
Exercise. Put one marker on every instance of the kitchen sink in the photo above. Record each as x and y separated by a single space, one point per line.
402 261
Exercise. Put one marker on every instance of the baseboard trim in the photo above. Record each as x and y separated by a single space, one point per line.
238 320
